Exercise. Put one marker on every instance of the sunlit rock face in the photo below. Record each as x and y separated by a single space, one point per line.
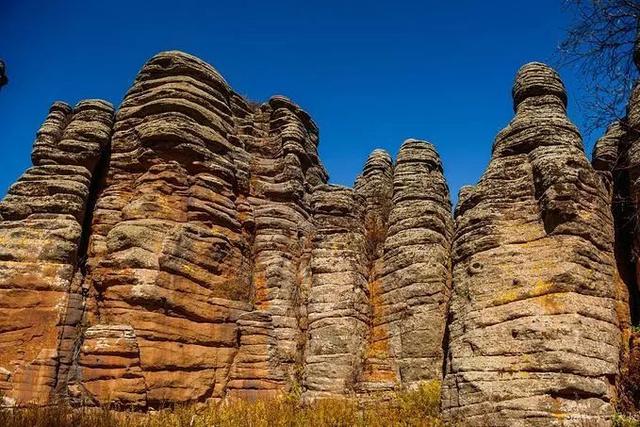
188 248
536 312
41 242
200 234
409 228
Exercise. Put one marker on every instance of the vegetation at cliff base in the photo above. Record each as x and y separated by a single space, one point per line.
419 407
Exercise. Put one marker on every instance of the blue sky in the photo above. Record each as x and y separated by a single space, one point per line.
371 74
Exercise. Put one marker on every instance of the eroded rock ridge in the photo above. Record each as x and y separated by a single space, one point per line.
188 247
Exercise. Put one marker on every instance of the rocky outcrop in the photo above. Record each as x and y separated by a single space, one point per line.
375 186
281 140
409 229
168 254
214 261
109 368
617 156
338 310
189 249
415 278
535 330
200 233
41 235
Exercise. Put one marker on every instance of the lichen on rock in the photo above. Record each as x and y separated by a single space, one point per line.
188 248
535 333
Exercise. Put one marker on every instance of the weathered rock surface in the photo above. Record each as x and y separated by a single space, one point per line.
109 368
409 228
198 253
199 235
190 249
535 330
41 232
338 309
375 185
617 156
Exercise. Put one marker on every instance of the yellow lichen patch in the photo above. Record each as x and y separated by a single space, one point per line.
552 304
539 288
526 233
226 232
557 411
508 296
256 186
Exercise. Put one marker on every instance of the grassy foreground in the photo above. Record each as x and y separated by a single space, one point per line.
418 407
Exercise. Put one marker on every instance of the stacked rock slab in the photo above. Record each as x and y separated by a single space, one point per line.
375 185
611 159
41 231
338 309
168 255
214 260
415 280
198 239
411 280
535 329
629 153
281 140
617 154
109 365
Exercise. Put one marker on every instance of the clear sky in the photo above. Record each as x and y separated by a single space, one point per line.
370 73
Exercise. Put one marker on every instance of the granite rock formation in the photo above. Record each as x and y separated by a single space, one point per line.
409 233
42 242
337 310
189 248
618 153
538 306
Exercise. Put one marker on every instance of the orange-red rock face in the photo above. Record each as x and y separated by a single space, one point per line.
41 234
199 232
188 249
168 254
197 253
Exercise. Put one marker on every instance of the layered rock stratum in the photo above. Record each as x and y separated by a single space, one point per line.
537 312
188 247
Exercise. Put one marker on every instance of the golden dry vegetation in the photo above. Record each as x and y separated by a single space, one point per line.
419 407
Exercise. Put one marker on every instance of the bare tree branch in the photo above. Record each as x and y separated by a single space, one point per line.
3 74
601 45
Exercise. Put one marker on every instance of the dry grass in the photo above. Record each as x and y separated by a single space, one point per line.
418 407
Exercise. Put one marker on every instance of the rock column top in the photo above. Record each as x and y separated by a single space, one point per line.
175 62
537 79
